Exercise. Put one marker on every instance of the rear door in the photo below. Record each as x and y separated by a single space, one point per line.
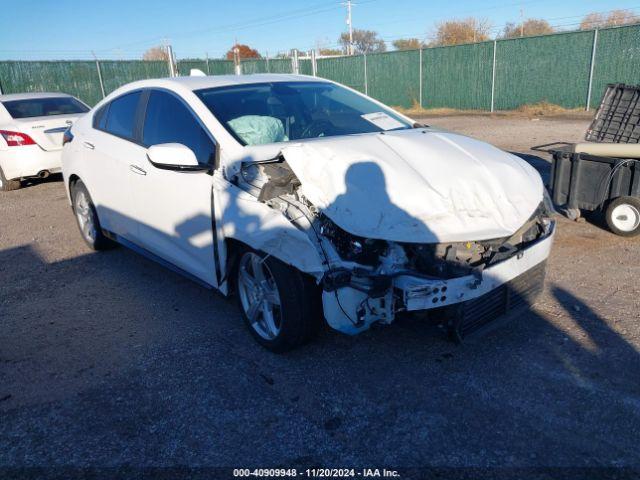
109 150
173 209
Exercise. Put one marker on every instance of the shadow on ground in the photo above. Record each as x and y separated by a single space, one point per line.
143 368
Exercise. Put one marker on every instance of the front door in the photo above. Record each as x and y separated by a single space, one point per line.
173 209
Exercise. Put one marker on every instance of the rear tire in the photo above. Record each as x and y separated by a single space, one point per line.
279 304
623 216
8 185
87 218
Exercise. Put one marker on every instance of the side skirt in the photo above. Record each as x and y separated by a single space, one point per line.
155 258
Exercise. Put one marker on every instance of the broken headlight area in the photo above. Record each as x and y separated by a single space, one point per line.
353 248
268 179
452 260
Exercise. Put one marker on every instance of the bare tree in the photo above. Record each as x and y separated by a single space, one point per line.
622 17
532 26
364 41
615 17
156 53
330 52
456 32
407 44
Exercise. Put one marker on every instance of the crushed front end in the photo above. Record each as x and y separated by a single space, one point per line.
468 284
369 281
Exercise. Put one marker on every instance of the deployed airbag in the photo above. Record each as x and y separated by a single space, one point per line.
258 129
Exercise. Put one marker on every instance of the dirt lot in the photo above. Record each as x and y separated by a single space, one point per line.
108 359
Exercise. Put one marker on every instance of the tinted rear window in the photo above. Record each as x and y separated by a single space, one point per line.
44 107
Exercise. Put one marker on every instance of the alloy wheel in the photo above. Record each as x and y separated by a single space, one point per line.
84 215
259 296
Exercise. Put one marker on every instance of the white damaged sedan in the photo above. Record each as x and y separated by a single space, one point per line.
309 200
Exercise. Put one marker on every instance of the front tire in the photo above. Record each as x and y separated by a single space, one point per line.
623 216
87 218
8 185
279 304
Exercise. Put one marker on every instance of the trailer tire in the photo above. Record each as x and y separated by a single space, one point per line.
623 216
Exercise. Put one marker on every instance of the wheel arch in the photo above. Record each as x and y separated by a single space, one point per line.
73 179
234 247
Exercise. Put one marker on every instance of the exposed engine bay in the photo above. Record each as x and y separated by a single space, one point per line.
380 272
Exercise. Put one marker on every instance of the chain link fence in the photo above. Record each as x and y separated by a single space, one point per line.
568 69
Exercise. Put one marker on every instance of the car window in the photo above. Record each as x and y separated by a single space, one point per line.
168 120
262 113
121 115
100 117
44 107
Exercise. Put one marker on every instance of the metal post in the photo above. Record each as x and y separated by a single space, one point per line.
420 80
314 66
593 63
267 58
295 68
171 62
366 80
237 67
493 76
100 78
206 59
99 74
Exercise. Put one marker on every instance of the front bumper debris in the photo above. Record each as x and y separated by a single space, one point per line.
351 311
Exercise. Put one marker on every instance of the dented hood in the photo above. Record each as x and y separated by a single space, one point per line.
418 186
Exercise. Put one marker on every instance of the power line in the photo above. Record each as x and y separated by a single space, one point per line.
257 22
122 53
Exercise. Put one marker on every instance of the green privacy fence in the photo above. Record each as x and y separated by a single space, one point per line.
77 78
569 69
208 66
83 79
466 66
623 67
556 70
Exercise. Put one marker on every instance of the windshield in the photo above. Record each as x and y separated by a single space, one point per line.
263 113
44 107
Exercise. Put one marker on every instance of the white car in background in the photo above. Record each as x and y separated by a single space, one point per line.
31 130
309 199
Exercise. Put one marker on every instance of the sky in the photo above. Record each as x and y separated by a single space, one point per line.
124 29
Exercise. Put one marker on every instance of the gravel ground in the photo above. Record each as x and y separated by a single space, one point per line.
107 359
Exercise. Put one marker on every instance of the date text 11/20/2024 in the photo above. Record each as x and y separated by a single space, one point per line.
317 472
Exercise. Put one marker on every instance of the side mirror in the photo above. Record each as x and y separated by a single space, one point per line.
175 157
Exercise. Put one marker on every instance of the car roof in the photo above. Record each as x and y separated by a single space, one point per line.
31 95
202 82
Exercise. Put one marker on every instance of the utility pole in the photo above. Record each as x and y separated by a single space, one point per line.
521 22
349 24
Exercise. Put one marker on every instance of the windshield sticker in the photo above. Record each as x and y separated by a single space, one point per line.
382 120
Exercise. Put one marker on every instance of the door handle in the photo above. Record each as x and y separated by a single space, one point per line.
88 145
136 169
